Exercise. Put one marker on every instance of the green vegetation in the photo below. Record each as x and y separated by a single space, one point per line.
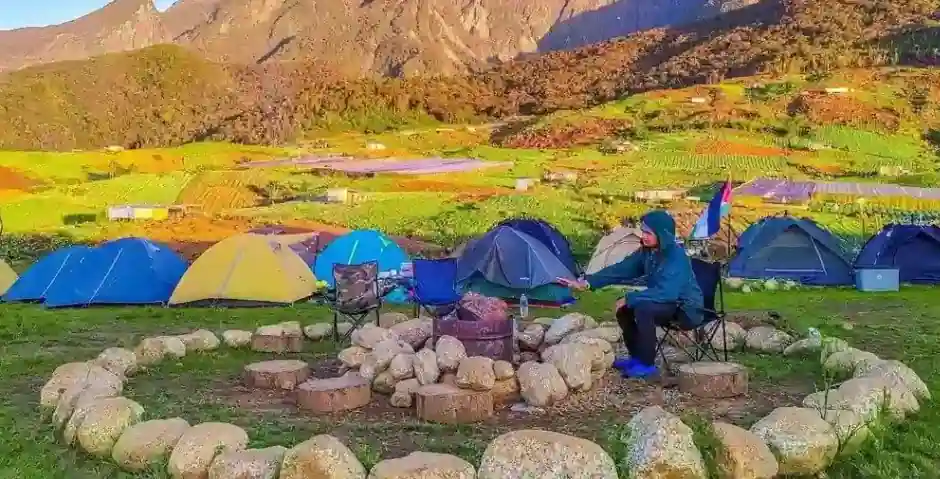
204 387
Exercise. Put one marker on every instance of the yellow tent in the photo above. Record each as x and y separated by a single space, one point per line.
246 267
7 277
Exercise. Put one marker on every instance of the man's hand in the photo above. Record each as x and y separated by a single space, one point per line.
579 284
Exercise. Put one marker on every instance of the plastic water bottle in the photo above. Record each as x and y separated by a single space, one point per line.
523 306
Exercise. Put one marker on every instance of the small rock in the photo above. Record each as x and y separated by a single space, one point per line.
476 373
531 337
384 383
200 340
148 443
236 338
803 443
368 370
103 423
387 320
248 464
150 351
97 383
425 367
368 336
892 371
527 356
830 346
503 370
541 384
506 391
414 331
573 362
119 361
323 457
450 352
563 326
318 331
404 393
423 465
198 446
803 346
353 356
734 335
402 366
767 339
530 453
661 445
844 362
386 350
173 346
742 454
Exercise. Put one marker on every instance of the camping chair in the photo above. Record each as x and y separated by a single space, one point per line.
435 286
708 276
357 294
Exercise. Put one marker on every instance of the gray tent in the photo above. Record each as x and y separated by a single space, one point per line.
613 248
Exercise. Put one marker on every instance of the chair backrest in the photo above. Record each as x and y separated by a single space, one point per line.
435 280
357 285
708 276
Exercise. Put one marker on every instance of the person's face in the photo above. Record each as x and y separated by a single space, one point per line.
648 238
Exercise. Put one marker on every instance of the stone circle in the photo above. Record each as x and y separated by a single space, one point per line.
713 379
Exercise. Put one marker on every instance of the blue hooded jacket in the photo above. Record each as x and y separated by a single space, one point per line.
667 268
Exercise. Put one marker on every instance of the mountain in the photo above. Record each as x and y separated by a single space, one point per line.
385 37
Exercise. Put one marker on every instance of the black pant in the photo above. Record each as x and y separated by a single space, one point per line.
639 327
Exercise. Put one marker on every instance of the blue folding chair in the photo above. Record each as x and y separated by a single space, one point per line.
435 286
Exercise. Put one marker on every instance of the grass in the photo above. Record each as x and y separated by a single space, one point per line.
201 387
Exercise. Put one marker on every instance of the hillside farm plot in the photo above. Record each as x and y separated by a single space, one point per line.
741 165
218 191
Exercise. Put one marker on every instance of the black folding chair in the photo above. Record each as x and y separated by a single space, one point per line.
708 276
357 293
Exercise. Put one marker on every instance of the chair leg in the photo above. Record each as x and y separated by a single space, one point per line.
335 327
724 338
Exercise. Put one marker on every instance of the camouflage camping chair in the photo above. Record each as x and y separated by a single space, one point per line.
357 294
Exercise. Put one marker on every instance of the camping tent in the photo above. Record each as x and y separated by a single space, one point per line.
613 248
305 243
246 268
33 284
7 277
507 263
124 271
358 247
549 236
791 248
913 249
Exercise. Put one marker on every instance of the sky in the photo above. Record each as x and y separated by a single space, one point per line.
39 13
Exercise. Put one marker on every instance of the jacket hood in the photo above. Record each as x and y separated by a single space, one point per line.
662 224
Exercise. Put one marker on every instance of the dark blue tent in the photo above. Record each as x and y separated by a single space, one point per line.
507 263
34 283
913 249
791 248
124 271
549 236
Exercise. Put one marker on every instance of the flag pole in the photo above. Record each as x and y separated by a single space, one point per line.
730 212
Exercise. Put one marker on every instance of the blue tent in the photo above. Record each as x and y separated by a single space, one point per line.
358 247
549 236
913 249
36 281
507 263
791 248
124 271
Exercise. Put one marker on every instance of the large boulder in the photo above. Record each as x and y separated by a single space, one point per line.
321 457
404 393
199 445
804 346
98 383
387 320
767 339
476 373
147 443
540 384
802 441
450 352
866 396
573 362
530 453
661 445
733 337
386 350
200 340
830 346
173 347
415 332
248 464
611 334
894 371
565 325
318 331
844 362
119 361
236 338
425 366
369 335
503 370
384 383
353 356
103 423
71 374
743 455
402 366
423 465
850 428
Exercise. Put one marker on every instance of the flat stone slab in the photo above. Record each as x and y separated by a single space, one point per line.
346 392
713 379
277 374
448 404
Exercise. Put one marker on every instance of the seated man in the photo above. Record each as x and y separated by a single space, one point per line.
672 294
